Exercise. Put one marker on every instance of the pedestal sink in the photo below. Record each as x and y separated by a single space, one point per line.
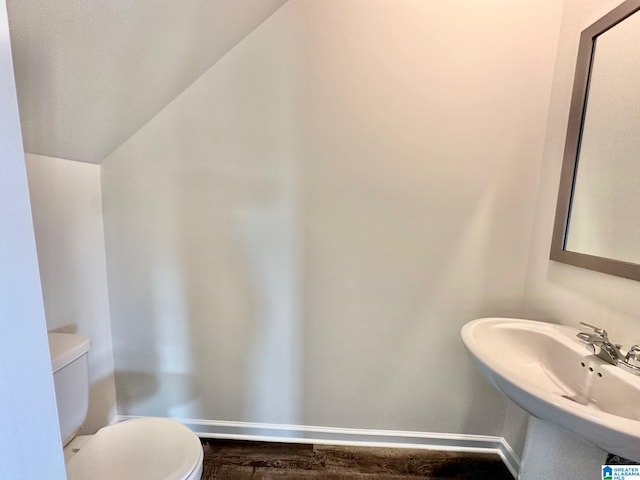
548 372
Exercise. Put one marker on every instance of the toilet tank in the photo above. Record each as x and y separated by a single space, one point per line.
71 380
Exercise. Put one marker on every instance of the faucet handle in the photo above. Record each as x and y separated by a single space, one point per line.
598 330
633 354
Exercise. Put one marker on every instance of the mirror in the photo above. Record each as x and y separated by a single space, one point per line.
597 223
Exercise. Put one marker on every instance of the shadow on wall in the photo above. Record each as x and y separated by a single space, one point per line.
102 403
157 394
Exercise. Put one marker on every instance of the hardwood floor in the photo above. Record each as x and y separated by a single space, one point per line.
240 460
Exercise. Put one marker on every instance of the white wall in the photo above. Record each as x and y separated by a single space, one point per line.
66 202
29 434
301 234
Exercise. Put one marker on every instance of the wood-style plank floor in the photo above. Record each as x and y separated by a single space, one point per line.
243 460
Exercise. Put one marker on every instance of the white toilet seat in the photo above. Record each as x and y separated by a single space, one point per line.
140 449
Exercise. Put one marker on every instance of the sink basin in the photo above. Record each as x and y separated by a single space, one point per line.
547 371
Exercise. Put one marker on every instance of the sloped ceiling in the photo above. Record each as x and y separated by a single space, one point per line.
90 73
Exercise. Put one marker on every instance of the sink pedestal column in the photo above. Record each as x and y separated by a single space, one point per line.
550 452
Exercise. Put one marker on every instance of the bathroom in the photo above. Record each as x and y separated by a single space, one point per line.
297 236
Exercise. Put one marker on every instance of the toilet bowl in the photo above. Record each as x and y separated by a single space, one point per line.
138 449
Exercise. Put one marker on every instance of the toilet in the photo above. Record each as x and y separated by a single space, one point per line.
141 449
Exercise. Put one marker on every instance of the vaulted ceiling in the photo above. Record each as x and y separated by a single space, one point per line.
90 73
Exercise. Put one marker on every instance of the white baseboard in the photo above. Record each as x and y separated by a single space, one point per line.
509 457
353 436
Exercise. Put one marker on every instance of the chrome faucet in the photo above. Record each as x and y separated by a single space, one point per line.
598 344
